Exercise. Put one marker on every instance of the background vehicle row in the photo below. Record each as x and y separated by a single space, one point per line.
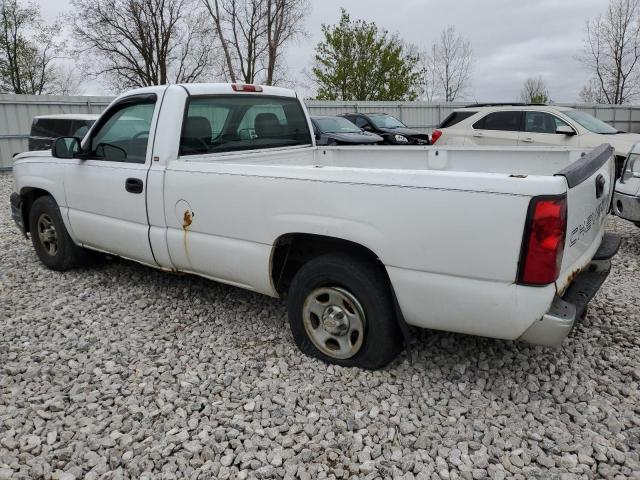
531 125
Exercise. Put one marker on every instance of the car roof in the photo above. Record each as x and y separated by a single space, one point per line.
69 116
365 114
498 108
227 89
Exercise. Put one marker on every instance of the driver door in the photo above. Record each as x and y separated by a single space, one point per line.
106 192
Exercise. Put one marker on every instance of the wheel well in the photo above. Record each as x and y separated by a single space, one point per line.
29 195
293 250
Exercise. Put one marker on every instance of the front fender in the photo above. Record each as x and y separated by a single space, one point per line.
30 175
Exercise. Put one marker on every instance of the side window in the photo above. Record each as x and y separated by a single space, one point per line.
508 121
560 123
541 122
456 117
125 134
226 123
361 122
50 127
79 128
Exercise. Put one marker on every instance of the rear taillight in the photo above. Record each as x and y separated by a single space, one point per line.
543 242
435 136
244 87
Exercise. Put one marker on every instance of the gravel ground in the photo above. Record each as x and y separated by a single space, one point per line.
120 371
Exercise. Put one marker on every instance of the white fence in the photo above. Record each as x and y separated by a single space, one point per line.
17 111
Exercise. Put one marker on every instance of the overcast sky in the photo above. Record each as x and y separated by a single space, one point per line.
512 40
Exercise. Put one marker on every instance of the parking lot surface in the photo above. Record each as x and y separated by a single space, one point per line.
120 371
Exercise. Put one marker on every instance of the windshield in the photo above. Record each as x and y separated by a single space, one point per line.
336 125
591 123
386 121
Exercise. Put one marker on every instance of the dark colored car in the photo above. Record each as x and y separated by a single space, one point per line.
46 128
340 131
392 130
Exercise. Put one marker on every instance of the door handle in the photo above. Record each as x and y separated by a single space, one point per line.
528 140
133 185
478 135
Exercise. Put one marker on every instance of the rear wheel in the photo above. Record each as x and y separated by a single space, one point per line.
341 311
50 238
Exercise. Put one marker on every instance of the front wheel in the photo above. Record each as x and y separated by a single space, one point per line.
50 238
341 311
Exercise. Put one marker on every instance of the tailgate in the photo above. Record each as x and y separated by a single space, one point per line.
590 183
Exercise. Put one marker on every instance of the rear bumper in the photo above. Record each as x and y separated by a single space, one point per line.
558 322
16 212
626 206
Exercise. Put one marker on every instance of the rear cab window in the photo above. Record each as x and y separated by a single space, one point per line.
230 123
456 117
508 121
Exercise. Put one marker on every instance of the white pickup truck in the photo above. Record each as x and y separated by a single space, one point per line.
225 181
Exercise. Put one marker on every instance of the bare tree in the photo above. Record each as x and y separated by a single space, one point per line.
284 23
534 90
448 65
68 80
612 53
138 43
592 93
28 49
253 35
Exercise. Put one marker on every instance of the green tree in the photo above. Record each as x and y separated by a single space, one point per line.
358 61
534 90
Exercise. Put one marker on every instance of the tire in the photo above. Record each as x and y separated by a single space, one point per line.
50 238
358 327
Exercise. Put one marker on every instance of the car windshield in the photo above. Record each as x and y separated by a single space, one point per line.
386 121
591 123
335 125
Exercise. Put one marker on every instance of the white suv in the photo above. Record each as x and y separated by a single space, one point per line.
533 125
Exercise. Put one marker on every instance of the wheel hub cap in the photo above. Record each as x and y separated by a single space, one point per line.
47 234
334 321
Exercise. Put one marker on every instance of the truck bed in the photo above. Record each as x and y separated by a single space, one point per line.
499 160
503 170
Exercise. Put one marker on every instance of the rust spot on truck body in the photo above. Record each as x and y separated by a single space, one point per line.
187 219
570 279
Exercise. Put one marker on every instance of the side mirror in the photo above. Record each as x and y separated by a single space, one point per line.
367 128
66 147
565 130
